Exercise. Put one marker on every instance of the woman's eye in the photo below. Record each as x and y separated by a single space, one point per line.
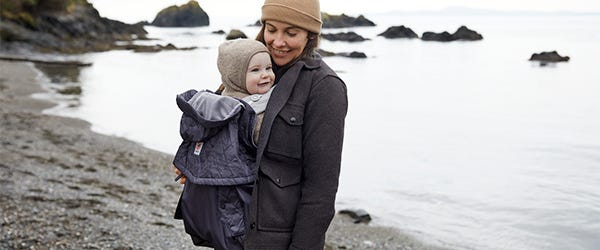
291 34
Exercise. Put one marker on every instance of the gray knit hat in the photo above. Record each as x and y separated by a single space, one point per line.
234 57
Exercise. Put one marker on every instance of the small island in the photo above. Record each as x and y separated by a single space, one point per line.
463 33
187 15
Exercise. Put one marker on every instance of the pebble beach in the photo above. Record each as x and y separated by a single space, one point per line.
66 187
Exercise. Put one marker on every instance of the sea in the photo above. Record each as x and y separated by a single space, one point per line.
464 145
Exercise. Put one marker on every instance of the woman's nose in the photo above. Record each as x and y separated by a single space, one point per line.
279 42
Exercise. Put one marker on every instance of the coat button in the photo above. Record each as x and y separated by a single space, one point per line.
293 119
278 180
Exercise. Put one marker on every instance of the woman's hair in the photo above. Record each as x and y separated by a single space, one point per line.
311 45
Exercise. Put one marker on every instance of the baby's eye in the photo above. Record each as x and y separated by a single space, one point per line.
269 68
254 70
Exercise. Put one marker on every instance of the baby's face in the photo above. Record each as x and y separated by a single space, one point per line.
260 76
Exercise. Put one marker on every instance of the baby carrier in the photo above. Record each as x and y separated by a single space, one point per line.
218 158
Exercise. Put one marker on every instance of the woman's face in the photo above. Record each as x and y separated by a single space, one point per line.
284 41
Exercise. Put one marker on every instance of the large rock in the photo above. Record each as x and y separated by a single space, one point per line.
344 36
344 21
67 26
440 37
399 32
235 34
462 33
549 56
187 15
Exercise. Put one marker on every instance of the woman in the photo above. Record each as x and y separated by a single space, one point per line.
300 143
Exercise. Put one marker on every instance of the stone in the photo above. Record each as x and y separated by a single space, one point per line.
399 32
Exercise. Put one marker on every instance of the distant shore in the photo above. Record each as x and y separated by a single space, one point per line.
66 187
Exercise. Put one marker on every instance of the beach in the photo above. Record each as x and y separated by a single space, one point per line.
66 187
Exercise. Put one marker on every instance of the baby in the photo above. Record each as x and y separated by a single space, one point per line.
247 74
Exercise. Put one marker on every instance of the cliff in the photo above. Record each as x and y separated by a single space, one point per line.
66 26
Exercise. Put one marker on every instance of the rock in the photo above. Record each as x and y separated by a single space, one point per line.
440 37
64 26
71 90
462 33
142 23
218 32
344 36
344 21
359 215
399 32
551 56
325 53
151 48
255 24
187 15
235 34
354 54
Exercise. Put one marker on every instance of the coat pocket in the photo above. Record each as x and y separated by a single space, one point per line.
279 191
286 132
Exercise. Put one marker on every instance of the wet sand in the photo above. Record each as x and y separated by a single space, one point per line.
66 187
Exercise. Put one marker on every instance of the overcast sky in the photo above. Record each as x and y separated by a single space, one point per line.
132 11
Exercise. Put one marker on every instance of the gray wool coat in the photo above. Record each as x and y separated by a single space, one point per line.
299 157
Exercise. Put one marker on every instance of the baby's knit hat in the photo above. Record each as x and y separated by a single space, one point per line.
304 14
234 57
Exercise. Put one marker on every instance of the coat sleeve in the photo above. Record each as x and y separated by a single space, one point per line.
323 135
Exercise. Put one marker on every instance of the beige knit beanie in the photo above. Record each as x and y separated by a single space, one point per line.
234 57
304 14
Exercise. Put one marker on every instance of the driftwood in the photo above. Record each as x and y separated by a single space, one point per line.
66 63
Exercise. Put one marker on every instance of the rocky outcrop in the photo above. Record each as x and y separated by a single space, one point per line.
151 48
359 215
353 54
549 56
187 15
235 34
344 21
399 32
344 36
439 37
67 26
463 33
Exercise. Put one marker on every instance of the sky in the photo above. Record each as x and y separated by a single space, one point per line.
132 11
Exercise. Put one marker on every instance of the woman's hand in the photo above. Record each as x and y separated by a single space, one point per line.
180 177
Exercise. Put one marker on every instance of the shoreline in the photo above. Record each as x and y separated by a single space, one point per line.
65 186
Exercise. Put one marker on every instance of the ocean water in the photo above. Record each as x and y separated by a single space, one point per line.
466 145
